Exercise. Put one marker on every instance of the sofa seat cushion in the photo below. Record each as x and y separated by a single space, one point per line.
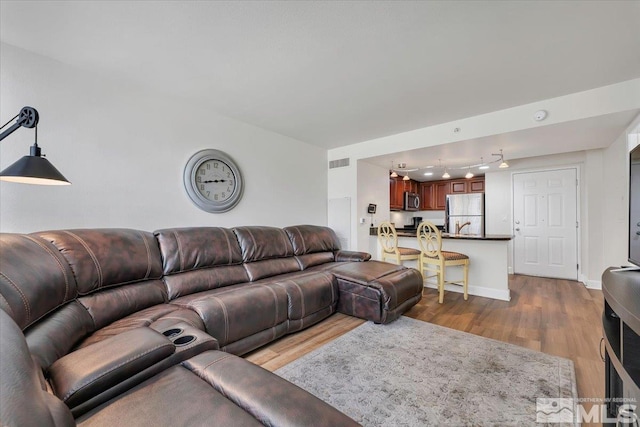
376 290
158 317
239 311
365 272
309 293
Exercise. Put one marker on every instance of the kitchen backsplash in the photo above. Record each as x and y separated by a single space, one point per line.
401 219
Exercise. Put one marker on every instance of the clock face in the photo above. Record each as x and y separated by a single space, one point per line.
216 180
213 181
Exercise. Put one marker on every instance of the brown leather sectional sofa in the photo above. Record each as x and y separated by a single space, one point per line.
126 327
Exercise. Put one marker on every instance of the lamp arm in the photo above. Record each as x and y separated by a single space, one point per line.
28 118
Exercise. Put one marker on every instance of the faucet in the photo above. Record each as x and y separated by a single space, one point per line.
460 227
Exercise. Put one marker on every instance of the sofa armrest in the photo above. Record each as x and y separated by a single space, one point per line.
269 398
342 256
89 371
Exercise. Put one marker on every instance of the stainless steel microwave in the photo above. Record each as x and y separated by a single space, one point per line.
411 201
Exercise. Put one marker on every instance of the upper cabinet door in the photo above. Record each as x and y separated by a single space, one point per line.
396 193
459 187
426 196
476 185
441 189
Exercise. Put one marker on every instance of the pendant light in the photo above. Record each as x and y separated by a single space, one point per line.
406 177
469 175
503 164
393 173
445 175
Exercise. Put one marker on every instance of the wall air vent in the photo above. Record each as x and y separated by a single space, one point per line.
340 163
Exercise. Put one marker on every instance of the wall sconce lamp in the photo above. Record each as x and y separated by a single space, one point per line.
31 169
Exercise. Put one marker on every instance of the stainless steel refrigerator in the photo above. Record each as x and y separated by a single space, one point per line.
465 212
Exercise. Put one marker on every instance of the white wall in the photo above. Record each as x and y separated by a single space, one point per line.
615 203
124 150
375 191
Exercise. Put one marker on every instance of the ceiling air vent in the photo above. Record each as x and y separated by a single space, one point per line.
340 163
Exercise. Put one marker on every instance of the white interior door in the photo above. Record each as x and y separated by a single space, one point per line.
545 223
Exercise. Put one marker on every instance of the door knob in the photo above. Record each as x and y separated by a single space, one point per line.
517 222
637 233
518 229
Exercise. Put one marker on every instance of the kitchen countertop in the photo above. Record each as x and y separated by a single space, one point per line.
406 233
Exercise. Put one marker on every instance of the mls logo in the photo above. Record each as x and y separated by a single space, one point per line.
554 410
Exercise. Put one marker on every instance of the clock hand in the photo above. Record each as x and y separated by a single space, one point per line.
213 180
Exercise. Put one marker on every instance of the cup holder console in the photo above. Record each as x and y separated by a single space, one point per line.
173 332
184 340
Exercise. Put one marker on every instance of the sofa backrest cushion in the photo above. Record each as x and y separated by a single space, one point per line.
260 243
307 239
185 249
58 333
23 401
317 258
199 259
204 279
34 278
113 304
271 267
102 258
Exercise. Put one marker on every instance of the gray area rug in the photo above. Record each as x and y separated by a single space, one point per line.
413 373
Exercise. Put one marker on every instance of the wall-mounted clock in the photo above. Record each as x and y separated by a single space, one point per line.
213 181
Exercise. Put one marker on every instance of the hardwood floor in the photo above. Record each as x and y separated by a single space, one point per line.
558 317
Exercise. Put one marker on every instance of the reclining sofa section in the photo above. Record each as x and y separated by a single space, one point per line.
107 313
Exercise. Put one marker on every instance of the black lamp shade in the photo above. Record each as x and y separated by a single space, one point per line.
33 170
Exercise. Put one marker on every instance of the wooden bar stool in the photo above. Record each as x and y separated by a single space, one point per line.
388 239
435 260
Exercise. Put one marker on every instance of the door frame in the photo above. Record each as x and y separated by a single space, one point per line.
578 169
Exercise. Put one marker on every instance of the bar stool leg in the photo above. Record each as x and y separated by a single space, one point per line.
441 284
466 280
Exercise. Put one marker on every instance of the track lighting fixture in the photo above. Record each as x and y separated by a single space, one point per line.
503 164
393 173
469 175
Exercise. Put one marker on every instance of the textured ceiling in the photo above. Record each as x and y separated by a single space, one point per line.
337 73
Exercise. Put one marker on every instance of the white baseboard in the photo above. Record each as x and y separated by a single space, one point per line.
590 284
480 291
593 284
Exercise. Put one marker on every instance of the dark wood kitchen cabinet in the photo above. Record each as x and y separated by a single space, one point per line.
433 194
397 188
476 185
440 191
426 196
458 187
396 194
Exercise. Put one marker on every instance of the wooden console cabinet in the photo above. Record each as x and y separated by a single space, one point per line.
621 327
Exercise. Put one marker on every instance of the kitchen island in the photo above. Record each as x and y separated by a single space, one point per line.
488 261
